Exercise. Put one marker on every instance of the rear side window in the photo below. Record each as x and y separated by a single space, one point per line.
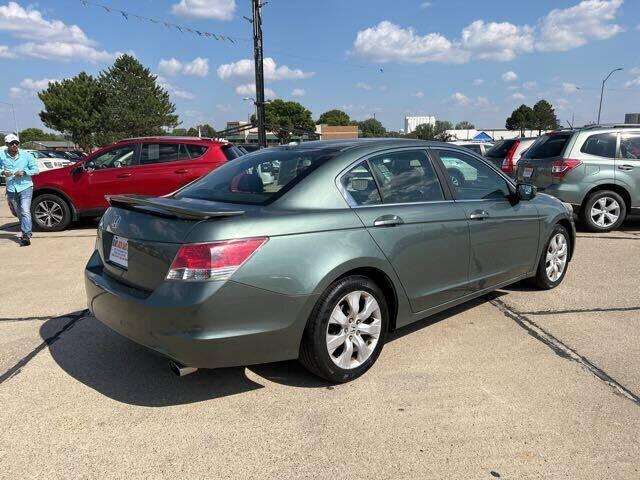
159 153
406 177
361 186
258 178
601 145
548 146
500 149
630 146
191 152
232 152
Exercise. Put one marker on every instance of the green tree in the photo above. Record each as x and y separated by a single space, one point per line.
440 130
74 107
204 130
372 128
287 118
426 131
545 116
179 132
135 105
334 118
521 118
31 134
464 125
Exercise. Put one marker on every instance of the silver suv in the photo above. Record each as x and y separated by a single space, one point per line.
596 169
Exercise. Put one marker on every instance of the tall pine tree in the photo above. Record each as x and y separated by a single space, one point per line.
135 105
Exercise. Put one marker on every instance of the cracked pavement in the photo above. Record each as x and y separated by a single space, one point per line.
519 384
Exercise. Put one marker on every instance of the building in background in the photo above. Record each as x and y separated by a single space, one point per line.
328 132
411 122
632 118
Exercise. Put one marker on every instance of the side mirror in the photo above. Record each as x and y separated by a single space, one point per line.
89 165
525 191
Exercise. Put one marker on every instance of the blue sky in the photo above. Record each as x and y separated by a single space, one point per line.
457 60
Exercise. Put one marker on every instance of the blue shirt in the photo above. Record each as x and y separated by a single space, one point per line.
22 161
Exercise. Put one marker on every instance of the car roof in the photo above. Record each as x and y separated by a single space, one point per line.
169 138
353 143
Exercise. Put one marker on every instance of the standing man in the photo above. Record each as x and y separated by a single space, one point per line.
18 167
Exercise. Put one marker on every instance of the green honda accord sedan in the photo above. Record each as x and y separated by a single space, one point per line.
347 241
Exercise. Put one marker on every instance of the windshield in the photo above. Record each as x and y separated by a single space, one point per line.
548 146
500 149
258 178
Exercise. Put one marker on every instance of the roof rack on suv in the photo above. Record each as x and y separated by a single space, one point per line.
169 137
612 125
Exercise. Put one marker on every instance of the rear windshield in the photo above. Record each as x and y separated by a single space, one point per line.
548 146
500 149
257 178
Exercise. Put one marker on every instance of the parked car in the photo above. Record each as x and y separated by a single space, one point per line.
596 169
46 162
506 154
352 240
148 166
481 148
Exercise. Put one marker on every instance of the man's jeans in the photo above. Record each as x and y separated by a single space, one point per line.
21 203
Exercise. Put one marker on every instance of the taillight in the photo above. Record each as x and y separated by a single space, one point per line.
559 168
507 163
201 262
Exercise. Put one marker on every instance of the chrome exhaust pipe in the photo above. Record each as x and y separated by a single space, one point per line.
181 370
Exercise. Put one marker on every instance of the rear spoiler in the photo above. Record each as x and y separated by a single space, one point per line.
174 207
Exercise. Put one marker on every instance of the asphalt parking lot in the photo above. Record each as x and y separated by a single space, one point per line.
520 384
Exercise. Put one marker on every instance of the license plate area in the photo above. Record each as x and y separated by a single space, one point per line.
119 253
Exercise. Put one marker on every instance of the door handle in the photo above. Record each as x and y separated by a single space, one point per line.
181 171
124 175
388 221
479 215
625 167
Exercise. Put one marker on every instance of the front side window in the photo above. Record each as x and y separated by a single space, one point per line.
630 146
406 177
115 158
361 186
471 178
258 178
601 145
159 153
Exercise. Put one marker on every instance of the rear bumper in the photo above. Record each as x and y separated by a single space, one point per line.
572 193
203 325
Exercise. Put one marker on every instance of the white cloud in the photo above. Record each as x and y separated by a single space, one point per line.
47 39
31 87
364 86
513 87
249 90
569 28
175 91
482 101
298 92
198 67
518 96
509 76
569 87
419 94
460 98
559 30
530 85
214 9
425 4
478 81
224 107
243 70
634 82
497 41
388 42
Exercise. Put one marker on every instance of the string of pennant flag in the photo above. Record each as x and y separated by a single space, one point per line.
126 16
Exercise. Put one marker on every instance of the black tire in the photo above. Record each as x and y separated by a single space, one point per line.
541 280
61 208
607 195
314 353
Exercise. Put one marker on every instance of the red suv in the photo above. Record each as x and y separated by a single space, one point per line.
151 166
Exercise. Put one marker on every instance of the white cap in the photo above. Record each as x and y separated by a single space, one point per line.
11 138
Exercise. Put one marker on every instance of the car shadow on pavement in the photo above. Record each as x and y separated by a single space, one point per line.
127 372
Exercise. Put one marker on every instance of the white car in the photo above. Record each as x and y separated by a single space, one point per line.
478 147
47 163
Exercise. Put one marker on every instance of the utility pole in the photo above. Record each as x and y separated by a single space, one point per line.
602 91
258 58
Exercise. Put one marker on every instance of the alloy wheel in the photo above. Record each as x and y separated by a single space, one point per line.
556 260
354 329
49 213
605 212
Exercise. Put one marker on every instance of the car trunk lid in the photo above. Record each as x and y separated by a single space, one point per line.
536 165
139 236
